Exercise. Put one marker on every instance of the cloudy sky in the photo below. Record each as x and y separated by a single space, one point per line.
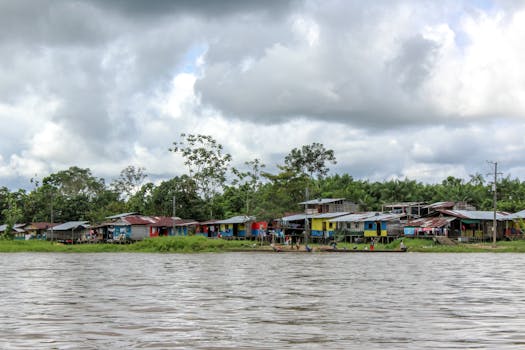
417 89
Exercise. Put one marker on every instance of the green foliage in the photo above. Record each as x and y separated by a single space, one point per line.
129 180
248 183
12 214
207 164
75 194
75 182
310 160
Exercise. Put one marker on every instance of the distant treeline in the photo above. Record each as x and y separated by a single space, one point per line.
213 189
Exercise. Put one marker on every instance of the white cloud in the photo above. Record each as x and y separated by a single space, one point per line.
396 88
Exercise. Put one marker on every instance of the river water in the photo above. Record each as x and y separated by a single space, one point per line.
262 301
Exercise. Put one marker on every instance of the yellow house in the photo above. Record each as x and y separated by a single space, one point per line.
322 226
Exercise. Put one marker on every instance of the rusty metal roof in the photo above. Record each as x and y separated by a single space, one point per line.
431 222
439 205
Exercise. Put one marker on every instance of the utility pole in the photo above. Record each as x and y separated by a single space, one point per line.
306 223
174 213
52 218
494 200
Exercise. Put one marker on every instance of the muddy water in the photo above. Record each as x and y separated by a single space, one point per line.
262 301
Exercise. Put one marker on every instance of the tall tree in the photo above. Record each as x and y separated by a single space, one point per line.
187 202
249 182
129 181
310 160
206 162
75 181
72 193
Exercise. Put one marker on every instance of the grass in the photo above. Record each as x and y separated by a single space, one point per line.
428 245
198 244
151 245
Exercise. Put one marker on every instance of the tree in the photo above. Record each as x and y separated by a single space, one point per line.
72 193
129 180
249 182
141 200
188 204
11 215
310 160
207 164
284 191
75 182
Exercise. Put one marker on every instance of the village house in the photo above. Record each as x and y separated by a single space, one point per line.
321 225
69 232
209 228
329 205
37 230
475 225
369 225
236 227
185 227
411 209
132 227
18 231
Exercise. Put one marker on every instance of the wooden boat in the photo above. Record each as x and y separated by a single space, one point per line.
336 250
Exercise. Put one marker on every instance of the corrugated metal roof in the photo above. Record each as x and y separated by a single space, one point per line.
329 215
440 205
353 217
138 220
297 217
237 220
118 216
518 215
71 225
383 217
162 221
208 222
321 201
39 225
185 222
368 216
403 204
431 222
475 214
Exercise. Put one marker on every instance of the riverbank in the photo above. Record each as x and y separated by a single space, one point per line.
201 244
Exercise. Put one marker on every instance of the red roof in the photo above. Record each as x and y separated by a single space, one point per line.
40 225
162 221
138 220
167 221
431 222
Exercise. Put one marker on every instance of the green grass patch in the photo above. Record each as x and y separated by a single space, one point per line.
198 244
192 244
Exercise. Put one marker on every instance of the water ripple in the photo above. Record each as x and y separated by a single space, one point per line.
261 301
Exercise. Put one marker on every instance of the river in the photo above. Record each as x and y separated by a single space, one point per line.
262 301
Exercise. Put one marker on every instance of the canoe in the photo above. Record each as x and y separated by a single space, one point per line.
332 250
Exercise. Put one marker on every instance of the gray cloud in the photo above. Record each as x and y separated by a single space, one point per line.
354 71
96 70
